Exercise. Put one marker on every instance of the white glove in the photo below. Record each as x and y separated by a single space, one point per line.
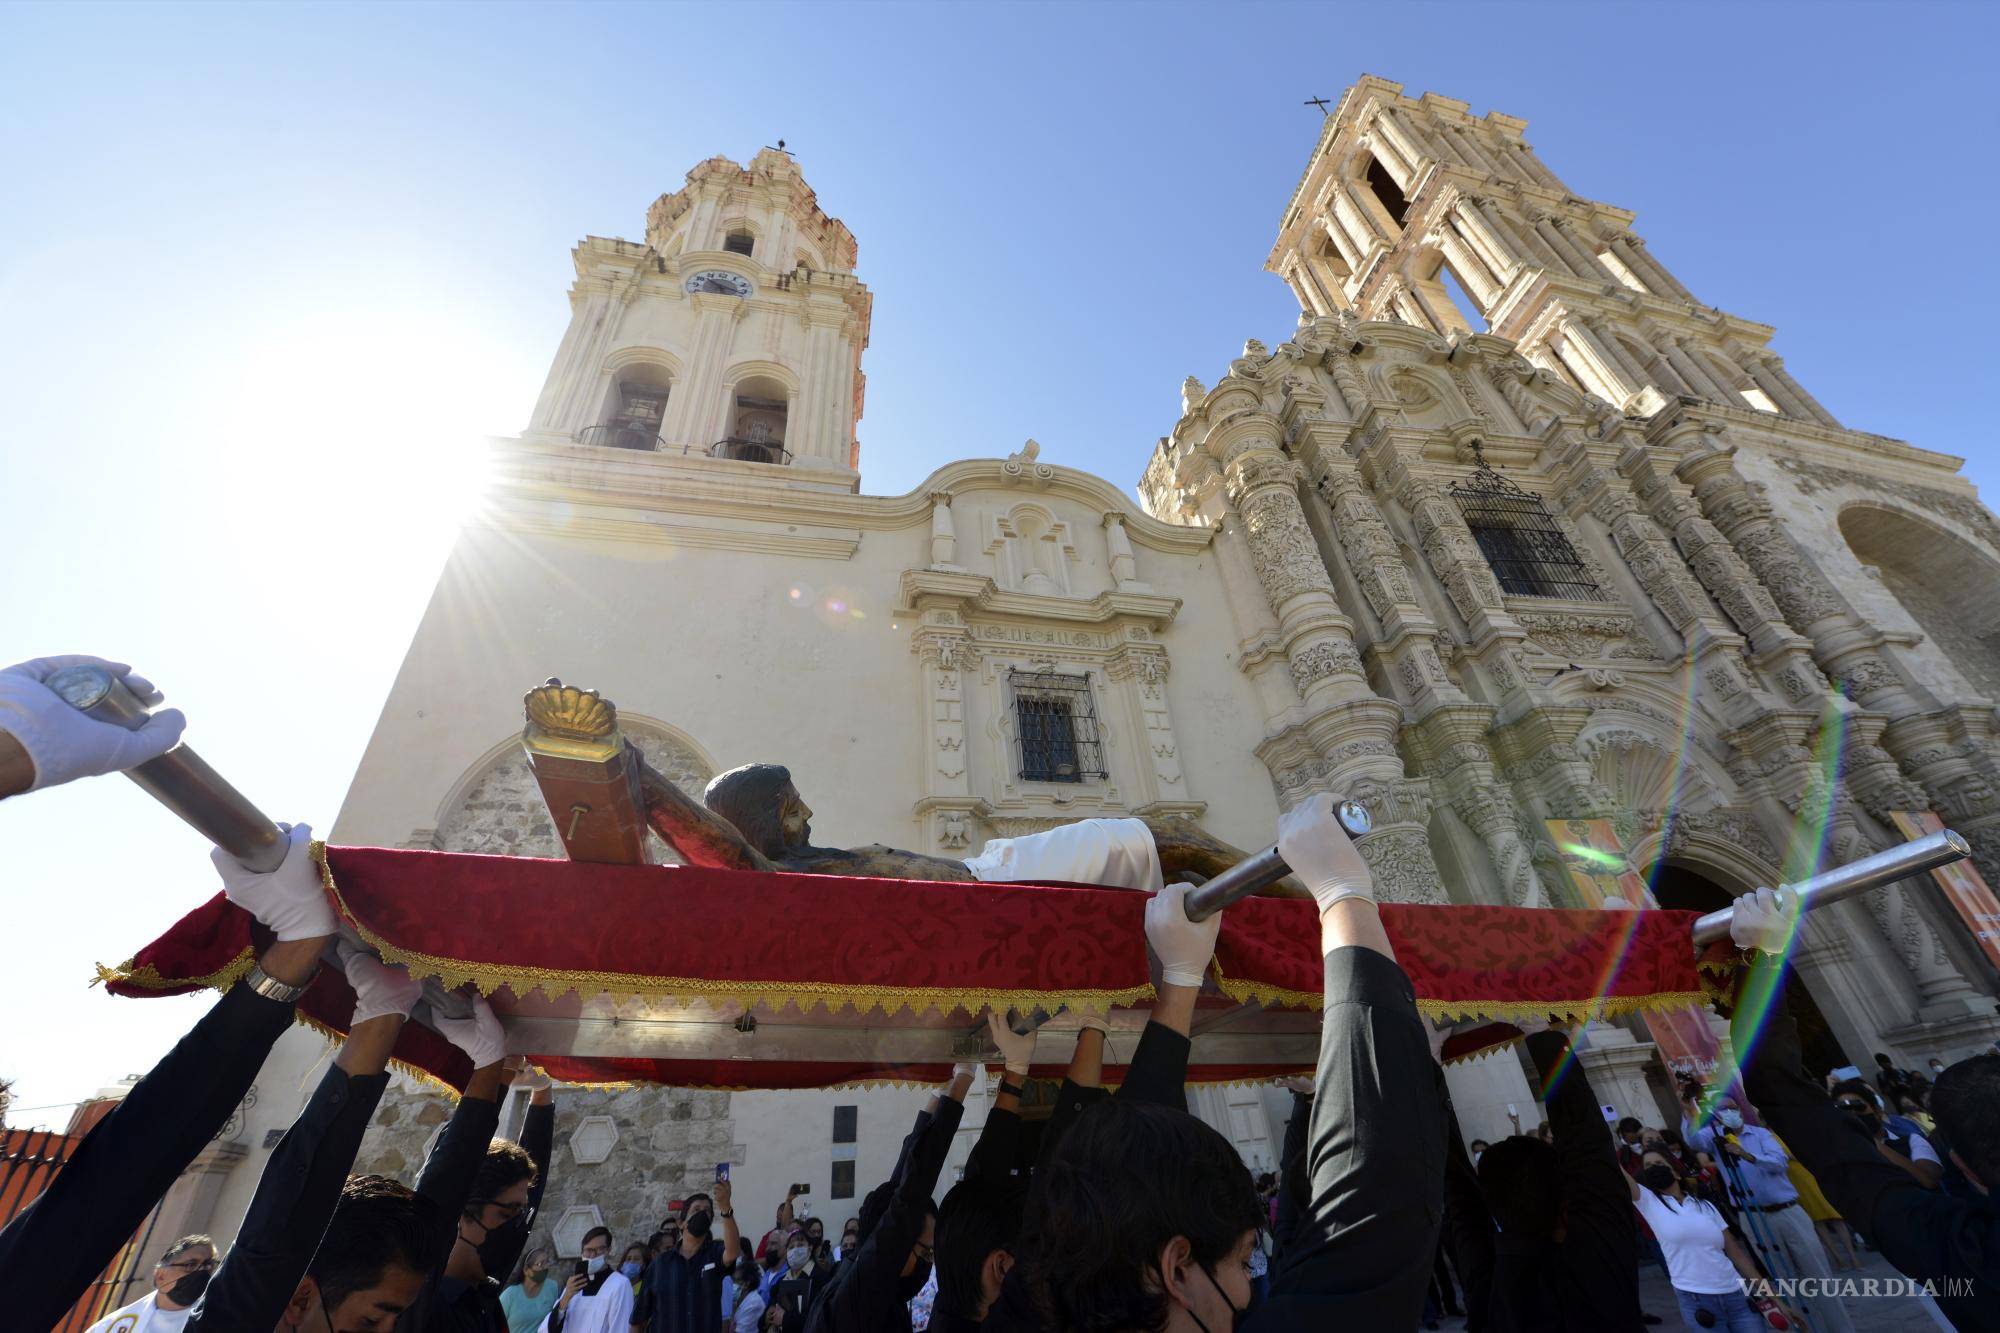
1765 920
527 1076
1320 853
1183 947
1016 1048
65 744
290 899
969 1070
479 1035
380 988
1088 1020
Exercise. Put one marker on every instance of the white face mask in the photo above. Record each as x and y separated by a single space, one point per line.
796 1256
1730 1119
598 1262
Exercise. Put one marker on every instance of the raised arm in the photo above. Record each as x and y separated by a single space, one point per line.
867 1287
1158 1072
698 834
1368 1234
44 742
1596 1191
54 1249
999 1142
447 1176
302 1181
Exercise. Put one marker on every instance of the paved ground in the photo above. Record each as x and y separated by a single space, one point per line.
1879 1314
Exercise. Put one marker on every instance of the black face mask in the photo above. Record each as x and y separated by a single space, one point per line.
908 1287
497 1252
697 1225
188 1290
1235 1315
1868 1121
1657 1177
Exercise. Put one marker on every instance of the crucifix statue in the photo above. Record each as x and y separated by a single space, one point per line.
604 795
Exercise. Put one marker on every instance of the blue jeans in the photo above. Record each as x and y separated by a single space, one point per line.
1732 1313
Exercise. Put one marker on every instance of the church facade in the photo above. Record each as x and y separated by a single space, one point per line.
1512 537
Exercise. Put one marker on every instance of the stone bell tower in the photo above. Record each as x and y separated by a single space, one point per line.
733 333
1404 197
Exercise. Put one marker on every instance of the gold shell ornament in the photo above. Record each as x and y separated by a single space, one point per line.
565 719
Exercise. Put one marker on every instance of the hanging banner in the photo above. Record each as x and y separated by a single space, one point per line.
1600 873
1964 887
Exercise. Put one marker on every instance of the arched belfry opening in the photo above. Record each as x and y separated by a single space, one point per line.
1685 888
1387 193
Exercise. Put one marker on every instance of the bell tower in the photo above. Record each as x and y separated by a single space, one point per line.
1405 199
733 334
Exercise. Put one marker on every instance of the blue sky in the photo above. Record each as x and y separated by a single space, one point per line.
267 272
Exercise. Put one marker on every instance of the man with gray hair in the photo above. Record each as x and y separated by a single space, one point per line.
179 1279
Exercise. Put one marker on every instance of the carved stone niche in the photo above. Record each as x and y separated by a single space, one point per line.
574 1224
594 1138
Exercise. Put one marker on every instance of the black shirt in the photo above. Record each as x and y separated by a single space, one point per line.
1926 1234
56 1247
683 1294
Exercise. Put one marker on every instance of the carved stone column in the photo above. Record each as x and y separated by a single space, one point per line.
1348 730
1781 379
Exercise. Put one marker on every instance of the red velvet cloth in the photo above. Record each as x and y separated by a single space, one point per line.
733 937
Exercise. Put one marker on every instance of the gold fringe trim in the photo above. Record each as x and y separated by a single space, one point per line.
1609 1006
417 1073
555 982
149 978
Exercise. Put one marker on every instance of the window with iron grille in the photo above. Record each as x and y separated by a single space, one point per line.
1529 554
1057 726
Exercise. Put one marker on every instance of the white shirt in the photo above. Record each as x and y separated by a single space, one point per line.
609 1311
1921 1150
749 1316
1117 853
142 1316
1690 1235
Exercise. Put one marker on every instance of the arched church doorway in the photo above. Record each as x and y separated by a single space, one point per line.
1687 889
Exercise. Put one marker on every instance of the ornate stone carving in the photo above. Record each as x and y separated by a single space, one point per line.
1579 637
1327 657
1813 477
954 830
1282 547
1402 865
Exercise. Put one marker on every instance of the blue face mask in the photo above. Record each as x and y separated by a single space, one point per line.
630 1268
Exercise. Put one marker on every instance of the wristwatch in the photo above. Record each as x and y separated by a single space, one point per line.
730 1214
271 988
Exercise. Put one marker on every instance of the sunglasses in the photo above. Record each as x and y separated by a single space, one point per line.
191 1265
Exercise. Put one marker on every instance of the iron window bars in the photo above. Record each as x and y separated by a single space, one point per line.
1057 726
1519 538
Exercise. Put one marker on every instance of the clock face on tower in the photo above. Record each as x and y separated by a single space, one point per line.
717 281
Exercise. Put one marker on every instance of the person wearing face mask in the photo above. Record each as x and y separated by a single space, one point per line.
1756 1169
871 1294
683 1287
1705 1263
488 1188
179 1278
1143 1218
1897 1137
597 1301
306 1176
743 1298
802 1280
633 1265
527 1302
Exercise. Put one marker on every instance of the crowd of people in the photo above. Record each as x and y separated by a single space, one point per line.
1124 1213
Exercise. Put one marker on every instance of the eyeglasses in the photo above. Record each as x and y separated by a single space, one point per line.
191 1265
506 1209
1853 1104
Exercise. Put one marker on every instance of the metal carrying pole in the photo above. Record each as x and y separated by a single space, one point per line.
1856 877
1265 868
180 779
